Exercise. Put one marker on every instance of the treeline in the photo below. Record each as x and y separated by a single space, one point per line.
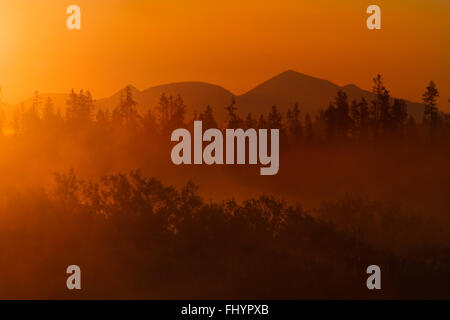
382 118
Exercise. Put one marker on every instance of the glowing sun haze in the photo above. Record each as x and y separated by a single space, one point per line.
232 43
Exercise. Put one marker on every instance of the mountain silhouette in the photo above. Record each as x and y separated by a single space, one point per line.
312 94
196 96
284 90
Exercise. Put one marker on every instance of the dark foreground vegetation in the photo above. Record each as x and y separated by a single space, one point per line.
134 237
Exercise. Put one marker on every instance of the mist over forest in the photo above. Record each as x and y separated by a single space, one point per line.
363 180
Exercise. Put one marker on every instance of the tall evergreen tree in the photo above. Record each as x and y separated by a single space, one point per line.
79 108
399 115
49 110
234 121
250 122
177 112
125 113
293 122
355 112
275 119
262 122
430 114
163 110
380 112
102 119
207 118
31 119
331 122
337 117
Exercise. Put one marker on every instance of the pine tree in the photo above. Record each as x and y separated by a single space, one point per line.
430 114
234 121
380 112
171 113
343 120
31 119
163 109
250 122
49 111
195 116
102 119
293 122
399 115
86 103
355 115
275 119
125 114
177 113
331 122
79 108
262 122
207 118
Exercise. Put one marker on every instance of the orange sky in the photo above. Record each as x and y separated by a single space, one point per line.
232 43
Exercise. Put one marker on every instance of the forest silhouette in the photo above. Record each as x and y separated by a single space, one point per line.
362 182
